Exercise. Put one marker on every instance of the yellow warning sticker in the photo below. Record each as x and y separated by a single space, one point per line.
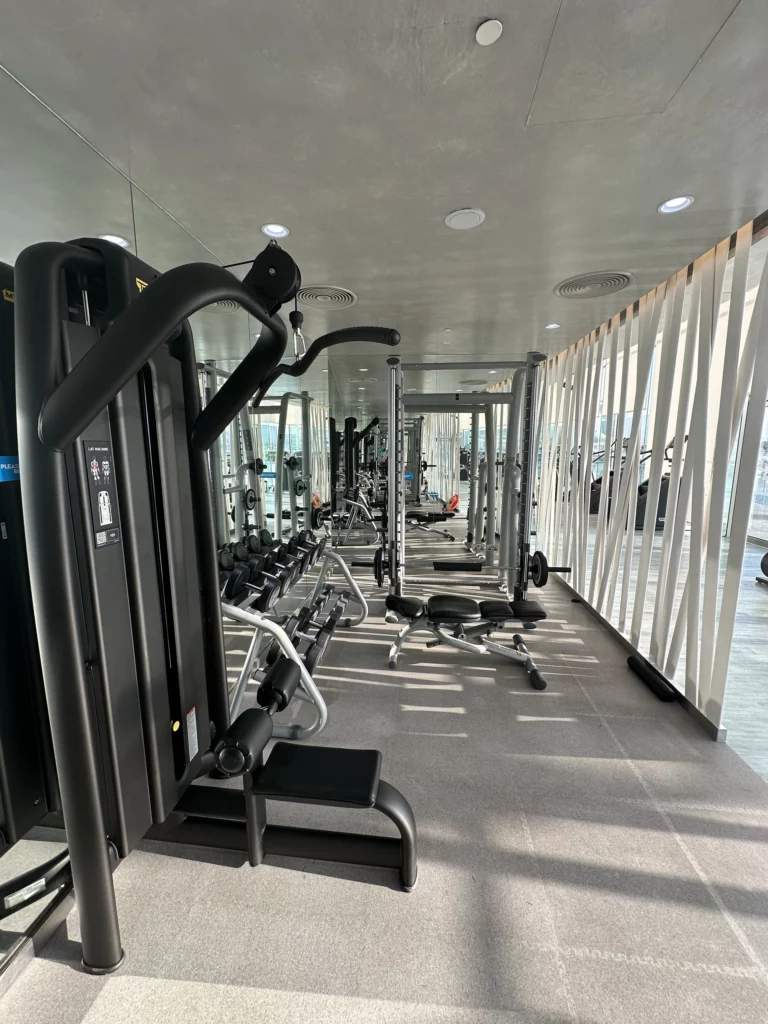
141 285
8 295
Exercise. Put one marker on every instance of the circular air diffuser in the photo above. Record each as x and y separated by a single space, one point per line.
227 306
593 285
326 296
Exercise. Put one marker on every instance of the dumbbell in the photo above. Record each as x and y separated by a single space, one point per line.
226 560
305 543
290 558
267 588
240 551
301 551
270 567
253 543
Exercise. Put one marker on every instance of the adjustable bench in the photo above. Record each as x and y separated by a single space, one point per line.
471 624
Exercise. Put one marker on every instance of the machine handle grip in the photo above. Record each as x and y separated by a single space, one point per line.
379 335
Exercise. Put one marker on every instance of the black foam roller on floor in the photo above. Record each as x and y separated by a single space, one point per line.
652 678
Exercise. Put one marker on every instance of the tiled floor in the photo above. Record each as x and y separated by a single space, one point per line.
587 856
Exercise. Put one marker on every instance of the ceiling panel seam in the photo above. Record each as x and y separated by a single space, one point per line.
701 56
544 61
106 160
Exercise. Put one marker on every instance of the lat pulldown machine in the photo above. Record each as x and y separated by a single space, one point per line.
122 557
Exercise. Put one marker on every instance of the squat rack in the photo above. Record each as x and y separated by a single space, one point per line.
513 568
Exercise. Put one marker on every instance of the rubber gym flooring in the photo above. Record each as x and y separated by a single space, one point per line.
586 855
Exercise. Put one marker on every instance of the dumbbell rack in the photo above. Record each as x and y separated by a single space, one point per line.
313 608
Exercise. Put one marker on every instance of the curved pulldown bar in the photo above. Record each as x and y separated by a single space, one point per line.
378 335
152 318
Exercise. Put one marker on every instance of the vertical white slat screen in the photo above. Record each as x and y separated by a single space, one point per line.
687 366
319 462
440 450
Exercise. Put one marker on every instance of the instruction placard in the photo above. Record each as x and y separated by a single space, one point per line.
101 486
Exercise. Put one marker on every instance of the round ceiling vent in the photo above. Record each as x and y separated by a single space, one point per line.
593 285
461 220
227 306
326 296
475 382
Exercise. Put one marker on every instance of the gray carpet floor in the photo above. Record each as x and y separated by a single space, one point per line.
586 855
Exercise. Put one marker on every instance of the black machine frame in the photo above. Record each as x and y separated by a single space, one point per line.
122 554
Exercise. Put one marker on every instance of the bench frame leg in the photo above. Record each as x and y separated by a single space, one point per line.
482 644
390 801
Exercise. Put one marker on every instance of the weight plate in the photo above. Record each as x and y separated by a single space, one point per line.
253 543
299 487
249 498
378 566
539 569
266 538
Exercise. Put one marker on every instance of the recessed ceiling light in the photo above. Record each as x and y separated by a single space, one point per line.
676 204
275 230
447 330
411 389
461 220
361 389
116 240
363 369
489 31
493 371
551 327
323 371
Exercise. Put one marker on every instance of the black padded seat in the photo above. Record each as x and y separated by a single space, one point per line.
452 608
407 607
333 776
497 611
429 517
528 610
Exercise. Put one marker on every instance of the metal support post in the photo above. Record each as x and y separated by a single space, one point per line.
480 507
306 457
214 457
510 499
396 478
473 477
490 462
528 461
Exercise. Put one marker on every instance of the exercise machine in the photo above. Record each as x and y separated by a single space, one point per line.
125 584
518 564
29 788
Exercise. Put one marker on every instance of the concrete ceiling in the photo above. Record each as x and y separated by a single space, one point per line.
361 126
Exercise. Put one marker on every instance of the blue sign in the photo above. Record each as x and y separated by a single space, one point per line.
9 467
269 476
409 476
